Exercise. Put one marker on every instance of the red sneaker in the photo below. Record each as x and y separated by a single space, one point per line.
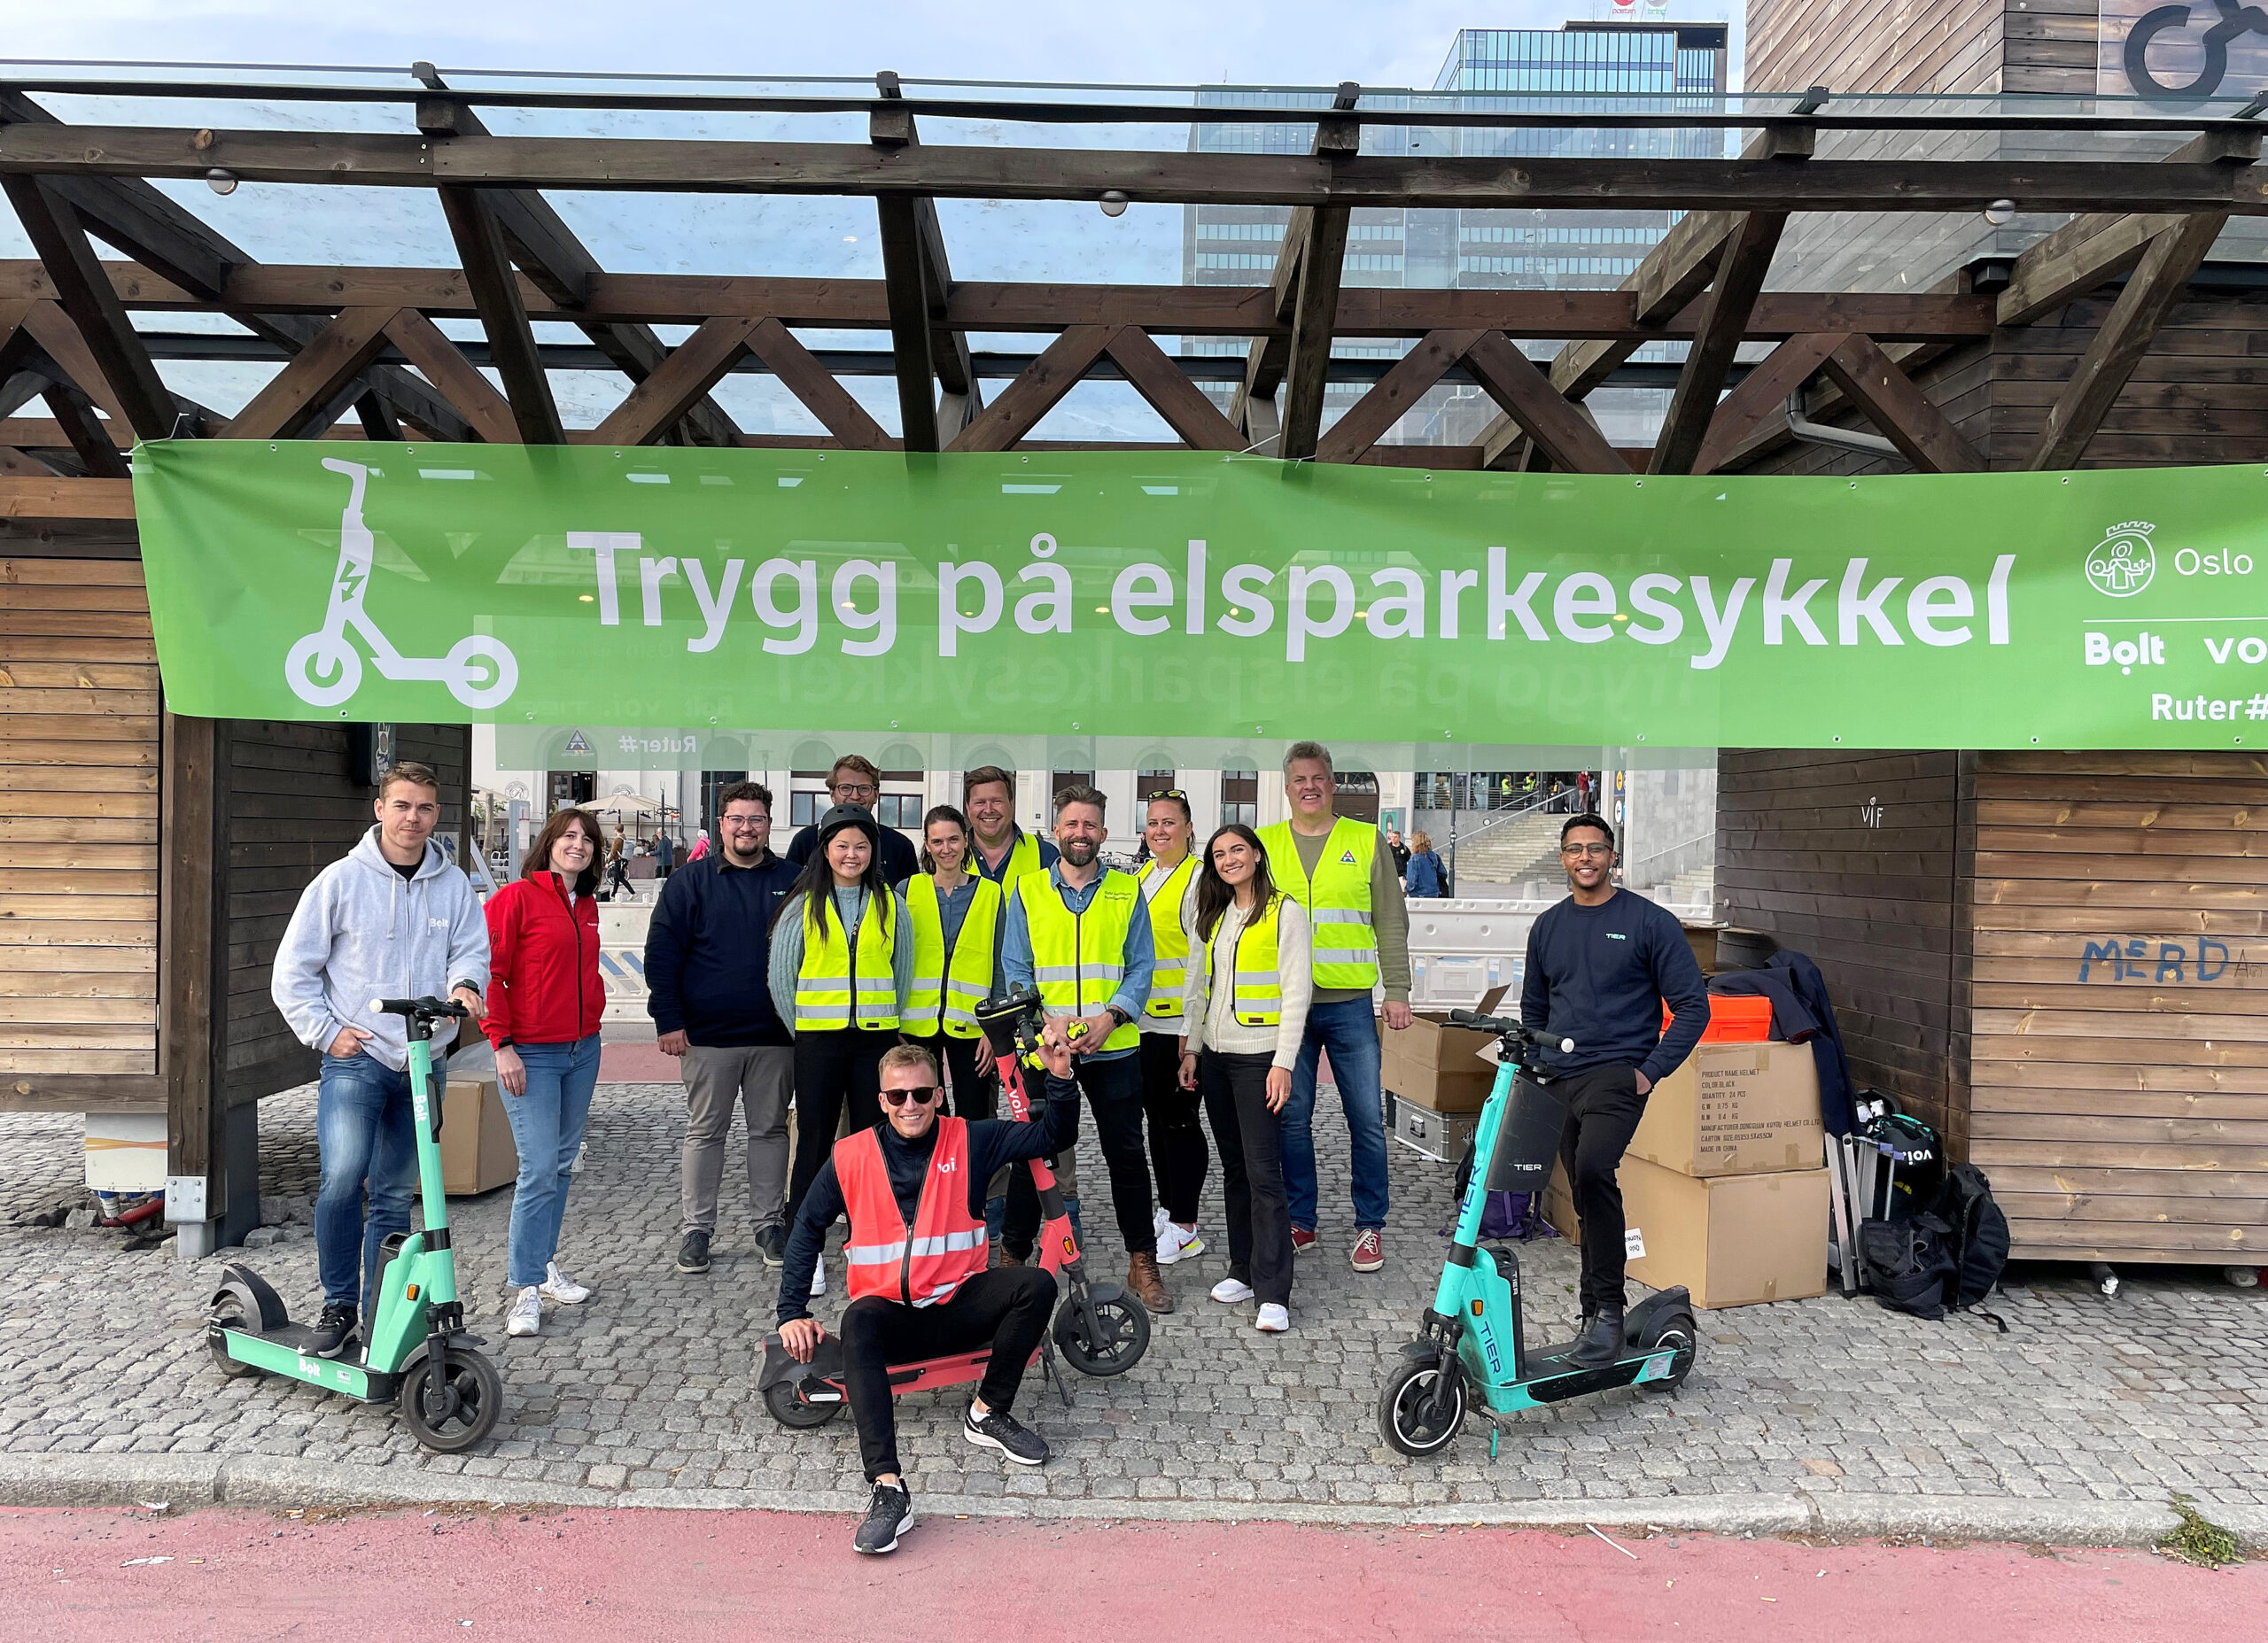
1368 1253
1302 1240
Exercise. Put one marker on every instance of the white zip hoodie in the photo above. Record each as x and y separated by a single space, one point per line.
360 933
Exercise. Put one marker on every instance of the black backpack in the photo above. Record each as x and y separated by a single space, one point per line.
1948 1257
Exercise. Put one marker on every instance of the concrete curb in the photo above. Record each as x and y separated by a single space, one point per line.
278 1483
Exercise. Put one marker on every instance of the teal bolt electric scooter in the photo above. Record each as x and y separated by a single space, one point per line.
1471 1344
414 1349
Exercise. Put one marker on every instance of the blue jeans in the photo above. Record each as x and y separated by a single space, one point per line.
547 1128
366 1137
1349 1031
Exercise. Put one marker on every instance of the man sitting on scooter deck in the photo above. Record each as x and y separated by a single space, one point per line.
913 1188
1599 965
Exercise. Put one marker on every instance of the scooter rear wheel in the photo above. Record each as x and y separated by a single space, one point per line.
1122 1331
475 1400
790 1410
232 1309
1678 1330
1406 1415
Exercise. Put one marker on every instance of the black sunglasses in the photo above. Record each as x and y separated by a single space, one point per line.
920 1095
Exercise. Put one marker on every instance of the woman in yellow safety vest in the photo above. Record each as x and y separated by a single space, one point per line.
1244 1012
955 913
841 966
1178 1152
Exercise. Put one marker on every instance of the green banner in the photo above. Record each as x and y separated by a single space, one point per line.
1169 593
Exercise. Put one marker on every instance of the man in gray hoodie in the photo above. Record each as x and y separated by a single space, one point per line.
393 919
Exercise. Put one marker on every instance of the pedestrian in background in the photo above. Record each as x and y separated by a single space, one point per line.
664 854
1425 873
706 953
545 1005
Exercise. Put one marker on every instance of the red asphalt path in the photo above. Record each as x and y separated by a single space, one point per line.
238 1574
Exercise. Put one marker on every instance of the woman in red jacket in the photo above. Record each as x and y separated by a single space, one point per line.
545 1003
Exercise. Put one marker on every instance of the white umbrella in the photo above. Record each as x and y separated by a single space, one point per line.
624 804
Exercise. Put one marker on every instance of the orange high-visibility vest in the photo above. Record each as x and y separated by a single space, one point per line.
923 1264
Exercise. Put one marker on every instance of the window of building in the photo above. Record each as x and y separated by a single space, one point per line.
1240 797
900 809
573 787
805 807
1149 784
1068 778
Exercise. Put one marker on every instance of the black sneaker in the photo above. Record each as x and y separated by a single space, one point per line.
999 1431
771 1244
889 1514
693 1254
334 1330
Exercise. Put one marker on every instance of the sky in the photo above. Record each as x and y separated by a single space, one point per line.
1382 42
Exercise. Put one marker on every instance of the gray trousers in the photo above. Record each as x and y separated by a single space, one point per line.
761 1078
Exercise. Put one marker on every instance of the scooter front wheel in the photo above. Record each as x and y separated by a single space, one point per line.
1122 1335
1406 1416
471 1401
792 1410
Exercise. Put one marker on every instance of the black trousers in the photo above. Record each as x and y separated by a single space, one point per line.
1007 1307
1251 1140
831 1069
1176 1140
1603 1107
1114 1092
963 1063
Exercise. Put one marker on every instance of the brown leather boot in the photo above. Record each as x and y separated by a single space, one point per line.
1149 1288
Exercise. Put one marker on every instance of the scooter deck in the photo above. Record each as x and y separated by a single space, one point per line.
1552 1379
286 1350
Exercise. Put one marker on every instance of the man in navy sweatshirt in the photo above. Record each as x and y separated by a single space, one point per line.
1599 966
706 951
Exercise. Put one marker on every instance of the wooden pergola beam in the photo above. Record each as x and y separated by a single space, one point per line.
1035 392
904 286
84 431
470 396
496 295
46 323
919 280
657 405
1315 289
1396 394
2117 347
1558 427
301 395
86 294
1167 390
813 384
1922 432
1763 393
957 171
1741 268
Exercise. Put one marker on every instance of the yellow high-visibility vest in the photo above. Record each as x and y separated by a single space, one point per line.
1172 940
1078 960
949 984
1255 988
837 976
1023 860
1337 898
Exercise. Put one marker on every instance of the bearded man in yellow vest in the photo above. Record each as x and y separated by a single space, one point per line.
1078 933
1342 873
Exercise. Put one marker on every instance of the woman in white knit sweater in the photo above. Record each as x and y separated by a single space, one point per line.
1245 1002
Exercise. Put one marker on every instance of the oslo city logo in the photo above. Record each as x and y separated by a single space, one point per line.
324 668
2122 564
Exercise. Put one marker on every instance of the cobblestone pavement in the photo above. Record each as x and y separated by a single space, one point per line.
647 1389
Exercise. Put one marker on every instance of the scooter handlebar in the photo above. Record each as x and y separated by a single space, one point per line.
429 1007
1506 1027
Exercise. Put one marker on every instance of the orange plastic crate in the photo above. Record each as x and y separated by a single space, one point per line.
1733 1019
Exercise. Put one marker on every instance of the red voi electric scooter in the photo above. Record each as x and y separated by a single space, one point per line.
1100 1328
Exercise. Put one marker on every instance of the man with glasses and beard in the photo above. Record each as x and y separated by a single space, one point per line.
855 781
1599 966
914 1188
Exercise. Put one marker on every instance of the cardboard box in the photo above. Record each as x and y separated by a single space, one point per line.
1438 1066
477 1154
1442 1135
1734 1110
1732 1240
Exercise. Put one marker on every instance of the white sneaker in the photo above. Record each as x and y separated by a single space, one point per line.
1160 1222
819 1278
1229 1291
1175 1244
1274 1318
528 1312
557 1286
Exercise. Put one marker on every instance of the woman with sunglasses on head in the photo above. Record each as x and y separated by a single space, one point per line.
955 913
841 967
545 1002
1245 1011
1178 1152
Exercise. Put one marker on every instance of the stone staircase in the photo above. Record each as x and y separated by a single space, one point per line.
1524 848
1690 895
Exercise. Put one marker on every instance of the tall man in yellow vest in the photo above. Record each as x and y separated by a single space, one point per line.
1079 933
1001 850
1342 873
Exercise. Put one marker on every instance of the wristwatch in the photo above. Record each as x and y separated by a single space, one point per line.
1117 1015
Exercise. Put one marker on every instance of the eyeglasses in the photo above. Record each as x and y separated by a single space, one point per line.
920 1095
748 821
850 792
1581 850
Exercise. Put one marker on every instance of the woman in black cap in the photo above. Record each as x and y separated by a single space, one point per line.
841 964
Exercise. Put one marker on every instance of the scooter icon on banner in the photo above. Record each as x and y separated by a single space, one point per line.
324 668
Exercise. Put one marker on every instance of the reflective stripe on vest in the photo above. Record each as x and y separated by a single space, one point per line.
1337 898
948 984
945 1247
1172 941
1078 960
834 971
1255 987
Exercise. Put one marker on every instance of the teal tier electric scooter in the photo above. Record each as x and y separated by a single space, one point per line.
415 1350
1471 1345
